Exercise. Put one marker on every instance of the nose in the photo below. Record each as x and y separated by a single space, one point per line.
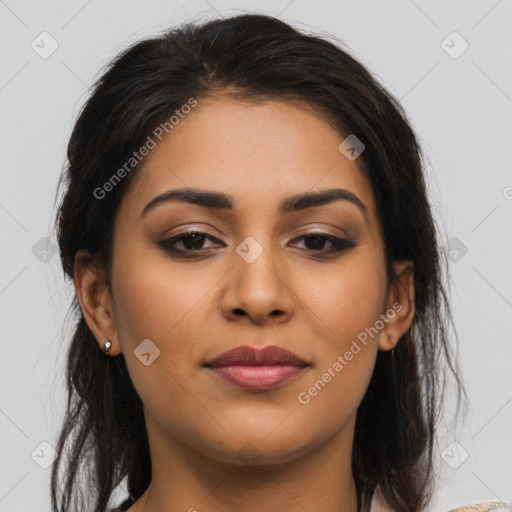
259 290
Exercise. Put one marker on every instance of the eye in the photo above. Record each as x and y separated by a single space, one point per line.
191 241
315 242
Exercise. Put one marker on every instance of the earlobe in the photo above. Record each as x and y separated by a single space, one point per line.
400 307
94 299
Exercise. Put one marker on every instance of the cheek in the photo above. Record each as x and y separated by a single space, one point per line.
347 298
152 303
152 300
168 306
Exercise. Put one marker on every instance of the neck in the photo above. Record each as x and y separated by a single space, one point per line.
316 480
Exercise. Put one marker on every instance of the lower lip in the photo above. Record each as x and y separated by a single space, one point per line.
258 377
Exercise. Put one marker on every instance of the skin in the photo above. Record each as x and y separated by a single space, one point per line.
293 295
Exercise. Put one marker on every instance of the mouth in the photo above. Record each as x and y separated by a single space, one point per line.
251 368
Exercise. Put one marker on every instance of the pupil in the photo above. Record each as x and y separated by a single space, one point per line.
315 238
195 238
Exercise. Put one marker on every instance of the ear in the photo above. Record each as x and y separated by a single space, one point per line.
94 298
399 310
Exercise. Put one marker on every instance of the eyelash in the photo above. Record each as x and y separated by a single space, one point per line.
339 244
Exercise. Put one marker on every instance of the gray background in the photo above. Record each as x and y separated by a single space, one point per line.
461 106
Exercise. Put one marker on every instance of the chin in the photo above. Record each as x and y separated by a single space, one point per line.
261 449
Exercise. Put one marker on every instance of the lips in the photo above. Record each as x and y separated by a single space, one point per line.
254 369
248 356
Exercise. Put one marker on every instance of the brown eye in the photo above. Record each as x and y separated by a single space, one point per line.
315 242
191 241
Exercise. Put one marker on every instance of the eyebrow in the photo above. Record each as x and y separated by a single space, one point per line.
219 200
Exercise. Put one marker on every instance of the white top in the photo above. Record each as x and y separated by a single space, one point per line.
379 506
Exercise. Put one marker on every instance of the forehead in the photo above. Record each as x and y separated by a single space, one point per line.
255 152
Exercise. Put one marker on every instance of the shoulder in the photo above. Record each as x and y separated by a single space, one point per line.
483 507
378 505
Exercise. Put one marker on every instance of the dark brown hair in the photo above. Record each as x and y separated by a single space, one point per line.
254 57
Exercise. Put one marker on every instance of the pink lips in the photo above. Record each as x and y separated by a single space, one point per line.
250 368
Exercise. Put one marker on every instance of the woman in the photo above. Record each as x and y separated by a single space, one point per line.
262 323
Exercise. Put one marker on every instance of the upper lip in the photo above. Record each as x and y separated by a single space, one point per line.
246 355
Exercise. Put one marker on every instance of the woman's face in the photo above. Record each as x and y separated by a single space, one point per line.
252 277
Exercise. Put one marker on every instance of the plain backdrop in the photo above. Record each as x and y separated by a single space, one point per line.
450 65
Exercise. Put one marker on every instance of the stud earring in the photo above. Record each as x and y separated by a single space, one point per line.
106 347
